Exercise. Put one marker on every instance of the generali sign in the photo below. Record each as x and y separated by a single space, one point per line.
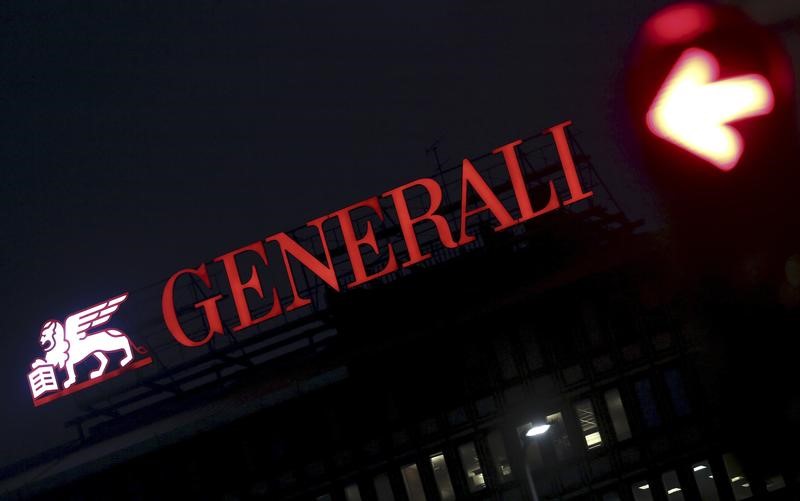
72 343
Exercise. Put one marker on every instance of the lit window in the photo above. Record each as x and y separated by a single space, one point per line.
617 412
413 483
647 403
558 434
677 392
442 477
704 479
383 488
472 467
498 450
672 486
739 483
585 412
642 491
351 493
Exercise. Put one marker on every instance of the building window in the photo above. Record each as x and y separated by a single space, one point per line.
413 483
611 496
616 410
498 450
672 486
383 488
677 392
324 497
558 434
775 482
442 477
641 491
351 493
739 483
647 403
705 481
591 434
472 467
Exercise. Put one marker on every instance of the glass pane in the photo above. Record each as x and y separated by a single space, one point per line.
585 412
413 483
775 483
705 481
324 497
498 450
672 486
558 434
442 477
512 495
677 392
472 466
383 488
351 493
641 491
611 496
739 484
647 403
617 412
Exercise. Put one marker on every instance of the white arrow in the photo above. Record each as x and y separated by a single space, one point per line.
692 109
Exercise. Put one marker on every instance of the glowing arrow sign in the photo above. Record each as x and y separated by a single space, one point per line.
693 108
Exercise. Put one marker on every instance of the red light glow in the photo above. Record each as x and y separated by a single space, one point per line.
679 23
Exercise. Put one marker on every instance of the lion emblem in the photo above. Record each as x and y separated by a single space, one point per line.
67 345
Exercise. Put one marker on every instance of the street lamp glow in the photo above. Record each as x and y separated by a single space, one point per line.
537 430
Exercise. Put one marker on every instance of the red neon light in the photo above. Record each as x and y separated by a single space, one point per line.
576 193
407 222
209 307
692 108
91 382
238 287
471 178
520 186
679 23
355 244
324 271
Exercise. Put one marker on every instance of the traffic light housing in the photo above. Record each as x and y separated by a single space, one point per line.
699 68
711 104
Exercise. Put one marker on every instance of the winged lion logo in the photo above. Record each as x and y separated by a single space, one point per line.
69 344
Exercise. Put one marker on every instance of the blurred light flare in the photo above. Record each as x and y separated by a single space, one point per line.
692 108
679 23
537 430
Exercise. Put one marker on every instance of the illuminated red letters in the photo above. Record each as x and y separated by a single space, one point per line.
470 177
568 164
209 307
521 187
324 271
407 222
354 244
253 283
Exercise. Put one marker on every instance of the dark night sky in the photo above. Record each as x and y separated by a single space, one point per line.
142 138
